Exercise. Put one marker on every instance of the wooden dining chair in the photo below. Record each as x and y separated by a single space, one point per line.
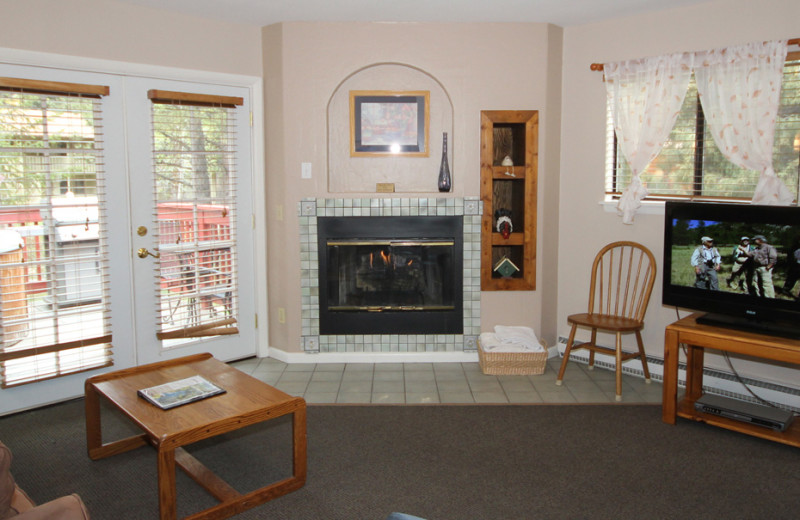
623 274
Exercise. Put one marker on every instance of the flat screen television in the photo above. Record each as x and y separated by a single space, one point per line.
727 278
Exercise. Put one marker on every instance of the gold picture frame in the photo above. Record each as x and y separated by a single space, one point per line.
386 123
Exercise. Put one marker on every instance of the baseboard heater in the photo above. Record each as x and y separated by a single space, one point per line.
766 416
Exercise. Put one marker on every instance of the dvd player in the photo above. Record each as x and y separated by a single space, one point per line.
766 416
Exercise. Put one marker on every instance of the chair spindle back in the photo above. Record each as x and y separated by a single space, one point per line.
623 275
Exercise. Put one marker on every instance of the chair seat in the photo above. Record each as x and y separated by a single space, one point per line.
605 322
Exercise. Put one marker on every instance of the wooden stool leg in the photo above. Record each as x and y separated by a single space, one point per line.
619 367
94 436
299 440
167 494
567 350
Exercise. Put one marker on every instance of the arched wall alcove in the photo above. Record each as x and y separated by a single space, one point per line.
408 174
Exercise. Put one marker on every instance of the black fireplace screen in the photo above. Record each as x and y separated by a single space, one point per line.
391 275
385 275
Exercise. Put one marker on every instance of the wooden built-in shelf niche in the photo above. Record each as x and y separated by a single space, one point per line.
513 134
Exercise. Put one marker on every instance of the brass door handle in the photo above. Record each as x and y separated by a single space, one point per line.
143 252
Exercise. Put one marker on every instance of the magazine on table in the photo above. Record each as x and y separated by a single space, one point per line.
183 391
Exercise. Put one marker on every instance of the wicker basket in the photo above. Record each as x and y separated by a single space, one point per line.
512 363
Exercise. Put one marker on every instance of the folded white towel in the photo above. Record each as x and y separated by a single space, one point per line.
493 342
523 337
489 341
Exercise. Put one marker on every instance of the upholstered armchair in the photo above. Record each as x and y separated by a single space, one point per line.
14 503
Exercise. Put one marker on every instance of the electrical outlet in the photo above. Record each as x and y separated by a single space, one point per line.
281 315
305 170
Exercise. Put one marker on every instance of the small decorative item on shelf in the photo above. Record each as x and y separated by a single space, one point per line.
444 170
503 223
507 162
505 268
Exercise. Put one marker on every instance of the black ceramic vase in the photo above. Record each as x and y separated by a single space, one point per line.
445 182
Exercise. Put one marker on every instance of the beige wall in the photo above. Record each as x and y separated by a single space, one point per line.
584 225
549 228
279 212
409 174
482 67
111 30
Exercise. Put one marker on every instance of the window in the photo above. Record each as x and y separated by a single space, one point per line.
54 303
194 193
691 166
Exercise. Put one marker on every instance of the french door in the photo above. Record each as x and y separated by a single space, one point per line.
191 220
174 226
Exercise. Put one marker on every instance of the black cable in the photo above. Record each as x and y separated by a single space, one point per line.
682 345
736 375
747 387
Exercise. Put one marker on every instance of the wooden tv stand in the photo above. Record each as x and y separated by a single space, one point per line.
697 338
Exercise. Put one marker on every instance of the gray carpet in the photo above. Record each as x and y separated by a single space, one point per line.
438 462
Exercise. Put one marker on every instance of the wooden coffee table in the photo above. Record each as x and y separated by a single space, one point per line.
247 401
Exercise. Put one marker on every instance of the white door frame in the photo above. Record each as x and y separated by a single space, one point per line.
140 167
45 66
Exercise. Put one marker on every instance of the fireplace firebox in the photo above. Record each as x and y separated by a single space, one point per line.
390 275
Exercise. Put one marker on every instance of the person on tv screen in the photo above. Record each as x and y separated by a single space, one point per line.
764 256
742 270
792 275
706 262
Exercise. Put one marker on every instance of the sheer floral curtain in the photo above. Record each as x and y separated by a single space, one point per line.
647 95
740 90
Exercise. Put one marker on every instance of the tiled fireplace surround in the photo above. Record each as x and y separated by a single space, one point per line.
311 209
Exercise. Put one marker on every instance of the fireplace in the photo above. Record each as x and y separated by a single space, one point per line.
312 211
390 275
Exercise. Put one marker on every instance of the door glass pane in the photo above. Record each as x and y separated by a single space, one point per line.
53 272
195 185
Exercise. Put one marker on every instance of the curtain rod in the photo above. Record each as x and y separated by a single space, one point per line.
599 66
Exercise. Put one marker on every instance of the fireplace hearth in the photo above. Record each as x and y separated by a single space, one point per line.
390 275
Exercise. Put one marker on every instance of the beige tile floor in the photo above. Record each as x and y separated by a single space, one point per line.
420 383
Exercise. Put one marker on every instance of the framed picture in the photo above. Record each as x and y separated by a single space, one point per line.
384 123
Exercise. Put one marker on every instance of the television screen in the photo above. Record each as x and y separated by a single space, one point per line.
738 262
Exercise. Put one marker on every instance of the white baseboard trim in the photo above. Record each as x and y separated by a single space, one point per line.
373 357
714 381
382 357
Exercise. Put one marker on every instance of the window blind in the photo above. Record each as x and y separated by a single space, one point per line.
194 153
691 166
54 286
